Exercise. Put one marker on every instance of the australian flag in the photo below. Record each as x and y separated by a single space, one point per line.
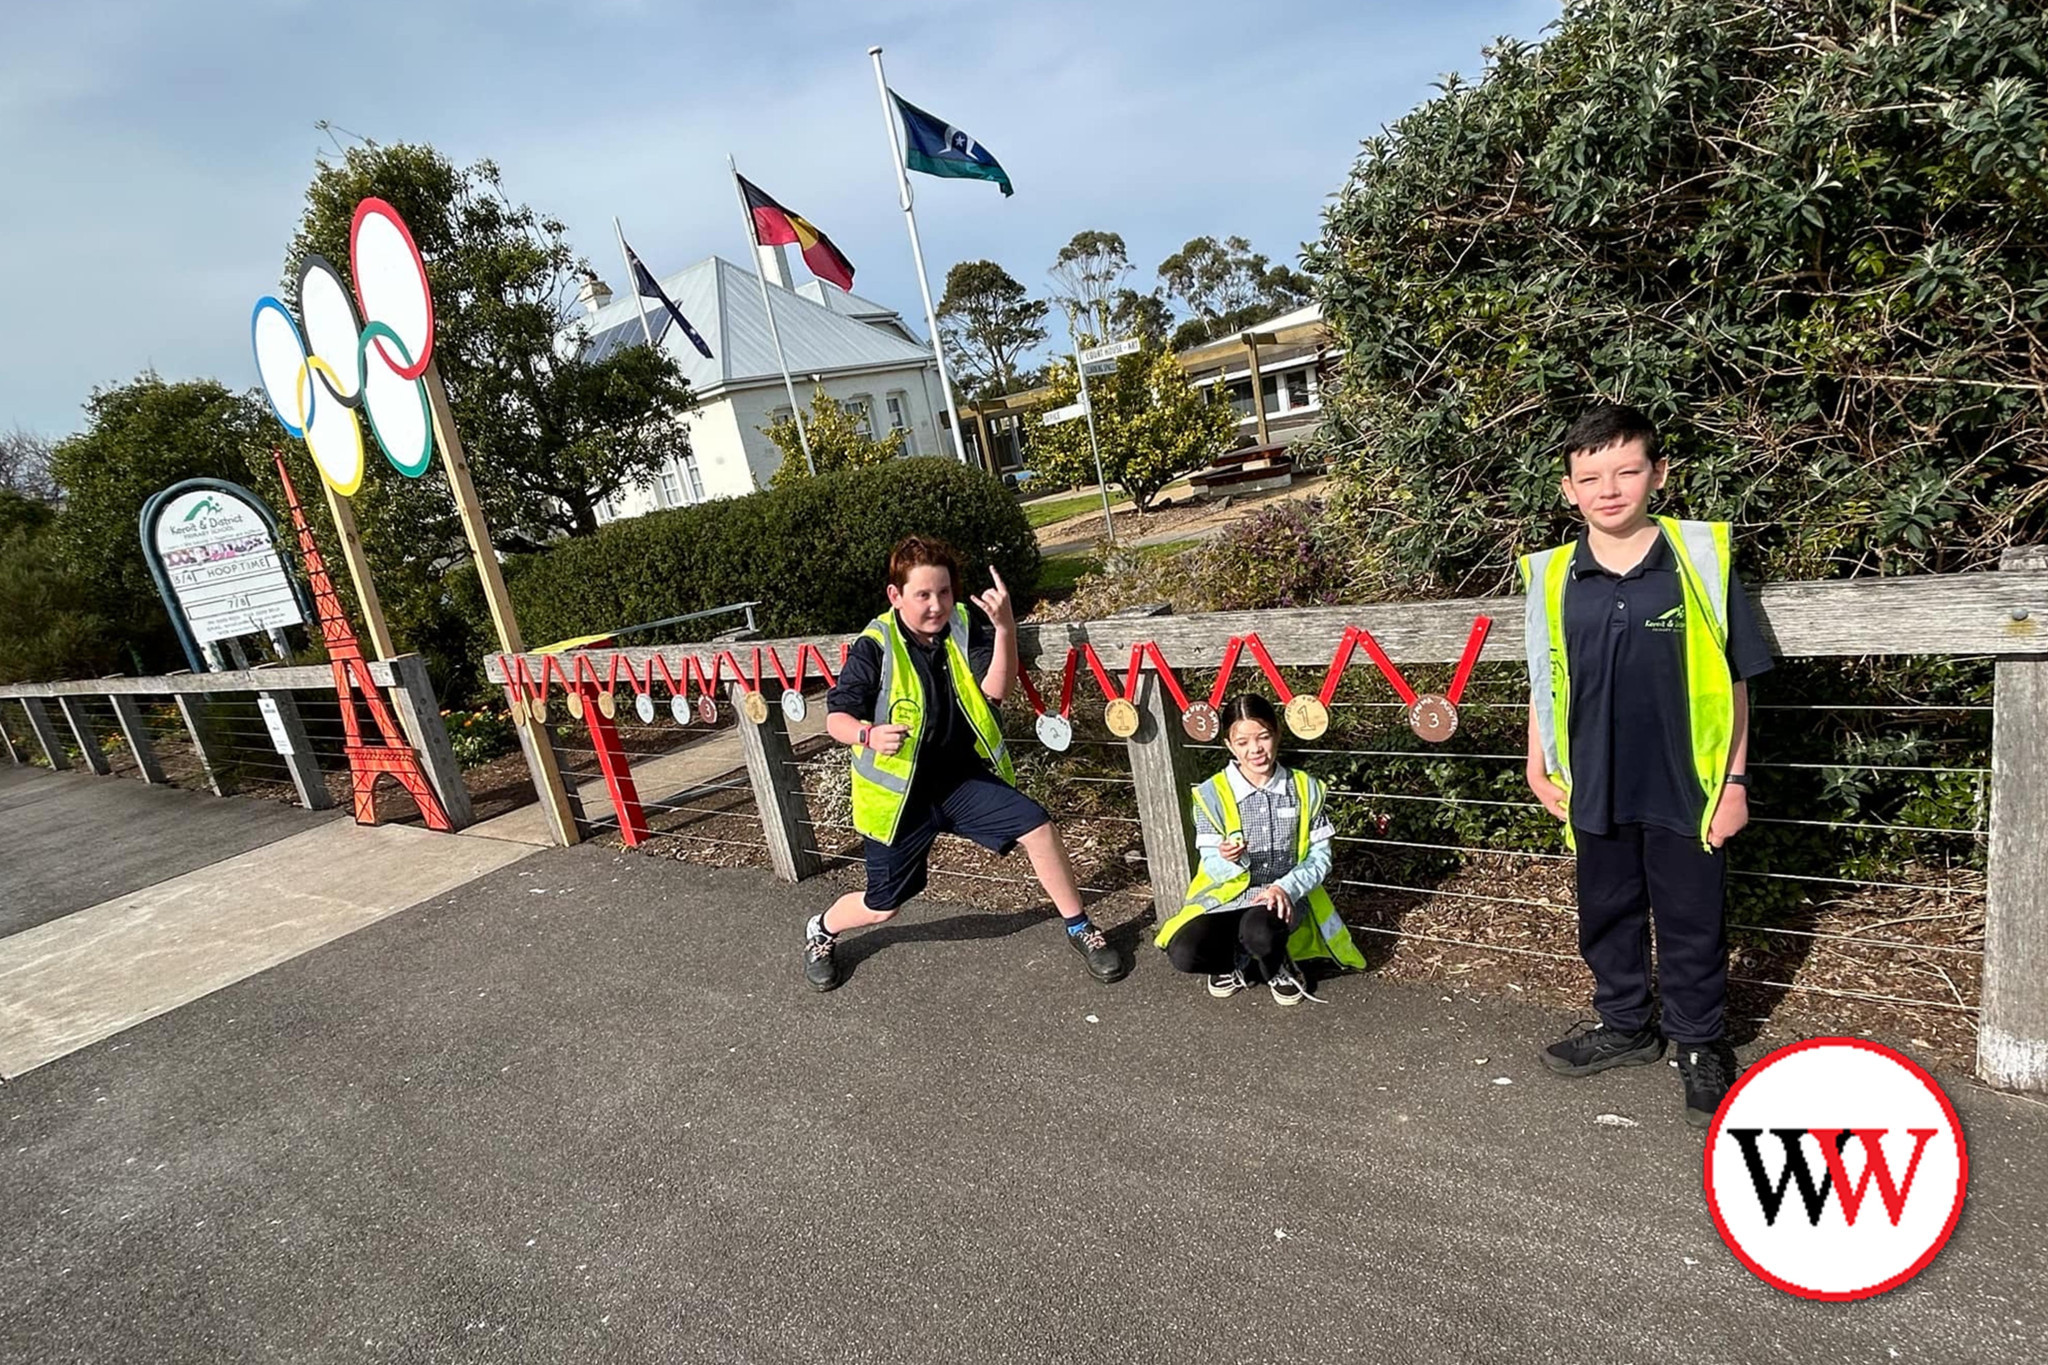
936 147
645 286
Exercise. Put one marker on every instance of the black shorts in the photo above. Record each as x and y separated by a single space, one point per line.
985 809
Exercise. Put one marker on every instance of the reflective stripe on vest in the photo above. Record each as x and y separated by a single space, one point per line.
1321 931
1704 555
881 782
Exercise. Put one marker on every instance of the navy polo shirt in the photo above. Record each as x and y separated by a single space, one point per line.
948 755
1631 722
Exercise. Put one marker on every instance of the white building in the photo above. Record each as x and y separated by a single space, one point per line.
860 352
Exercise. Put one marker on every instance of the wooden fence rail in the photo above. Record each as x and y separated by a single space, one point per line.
2001 615
277 690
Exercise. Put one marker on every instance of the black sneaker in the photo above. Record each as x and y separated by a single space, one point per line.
1223 985
1709 1070
821 971
1289 985
1104 962
1592 1046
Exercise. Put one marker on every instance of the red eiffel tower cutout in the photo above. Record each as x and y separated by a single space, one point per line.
365 761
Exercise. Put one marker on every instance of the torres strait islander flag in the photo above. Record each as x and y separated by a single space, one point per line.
936 147
775 225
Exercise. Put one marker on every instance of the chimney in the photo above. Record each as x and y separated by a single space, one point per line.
594 294
775 265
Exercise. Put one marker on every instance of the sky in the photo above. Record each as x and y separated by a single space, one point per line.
156 155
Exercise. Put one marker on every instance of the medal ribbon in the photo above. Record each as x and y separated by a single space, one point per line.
1166 677
1473 644
1386 666
1066 686
1109 689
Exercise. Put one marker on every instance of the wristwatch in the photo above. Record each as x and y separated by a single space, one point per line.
1736 779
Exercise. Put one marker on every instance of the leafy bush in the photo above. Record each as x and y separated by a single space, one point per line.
1281 555
1802 237
479 736
813 553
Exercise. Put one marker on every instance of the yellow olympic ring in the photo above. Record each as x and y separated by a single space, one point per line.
303 396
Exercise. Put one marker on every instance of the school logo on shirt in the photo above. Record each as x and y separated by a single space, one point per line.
1673 620
1836 1169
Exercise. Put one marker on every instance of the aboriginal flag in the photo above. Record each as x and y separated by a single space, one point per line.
775 225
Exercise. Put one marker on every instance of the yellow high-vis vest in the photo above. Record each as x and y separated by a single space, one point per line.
1319 932
1702 551
881 782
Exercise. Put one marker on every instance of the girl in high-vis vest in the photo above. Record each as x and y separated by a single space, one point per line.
1256 908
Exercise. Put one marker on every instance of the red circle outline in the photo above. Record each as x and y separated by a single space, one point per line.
355 227
1926 1258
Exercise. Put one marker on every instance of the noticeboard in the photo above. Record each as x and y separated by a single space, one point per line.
212 546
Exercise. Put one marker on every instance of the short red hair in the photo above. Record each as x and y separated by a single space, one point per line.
917 552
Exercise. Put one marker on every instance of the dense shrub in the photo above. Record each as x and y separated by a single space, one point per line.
1803 237
813 553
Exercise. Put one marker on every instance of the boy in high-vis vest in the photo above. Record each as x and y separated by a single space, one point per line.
1640 643
915 700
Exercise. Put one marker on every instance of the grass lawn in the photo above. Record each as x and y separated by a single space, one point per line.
1057 574
1059 509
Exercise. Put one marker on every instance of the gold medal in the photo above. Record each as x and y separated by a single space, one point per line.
517 706
1308 717
754 707
576 705
1122 718
607 705
537 707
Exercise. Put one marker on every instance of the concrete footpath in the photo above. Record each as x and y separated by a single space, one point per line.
580 1107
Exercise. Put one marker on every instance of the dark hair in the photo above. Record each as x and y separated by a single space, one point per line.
916 552
1605 425
1249 706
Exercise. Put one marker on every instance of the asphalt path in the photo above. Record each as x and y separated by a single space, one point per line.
583 1108
70 840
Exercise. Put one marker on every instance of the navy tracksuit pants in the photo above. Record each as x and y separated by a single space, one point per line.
1629 879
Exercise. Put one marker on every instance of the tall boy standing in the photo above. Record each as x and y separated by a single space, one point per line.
1640 643
913 700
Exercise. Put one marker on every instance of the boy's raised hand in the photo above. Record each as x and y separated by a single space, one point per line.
995 603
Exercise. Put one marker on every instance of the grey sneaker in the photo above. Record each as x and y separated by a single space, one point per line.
821 972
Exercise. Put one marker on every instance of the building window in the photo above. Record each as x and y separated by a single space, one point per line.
669 489
899 420
862 406
693 478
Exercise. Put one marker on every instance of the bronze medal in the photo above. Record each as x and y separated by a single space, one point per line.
754 707
1308 717
1201 722
575 704
1433 718
707 710
1122 718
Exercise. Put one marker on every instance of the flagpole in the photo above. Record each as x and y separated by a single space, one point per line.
774 333
633 283
931 317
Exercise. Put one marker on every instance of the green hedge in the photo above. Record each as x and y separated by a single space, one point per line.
813 553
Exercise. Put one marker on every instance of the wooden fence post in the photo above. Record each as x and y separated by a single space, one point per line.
778 790
213 756
1162 767
288 735
80 721
419 711
129 717
45 732
2012 1035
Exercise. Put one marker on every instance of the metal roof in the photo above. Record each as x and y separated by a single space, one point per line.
723 302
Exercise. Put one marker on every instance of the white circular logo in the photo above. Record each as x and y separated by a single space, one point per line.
1836 1169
